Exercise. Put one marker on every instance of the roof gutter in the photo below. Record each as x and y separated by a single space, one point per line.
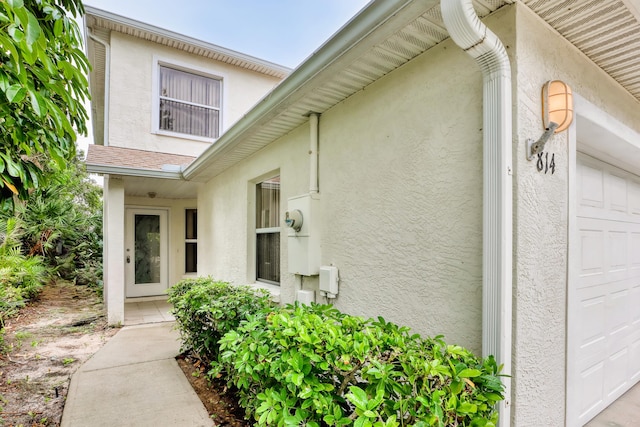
390 13
151 29
470 34
125 171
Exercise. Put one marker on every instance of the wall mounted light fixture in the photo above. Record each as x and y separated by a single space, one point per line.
557 114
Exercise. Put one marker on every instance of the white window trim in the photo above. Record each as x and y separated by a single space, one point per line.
155 95
253 231
268 230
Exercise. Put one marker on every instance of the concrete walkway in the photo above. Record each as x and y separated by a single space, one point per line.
134 380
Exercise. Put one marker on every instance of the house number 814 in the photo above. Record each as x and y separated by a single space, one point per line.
545 163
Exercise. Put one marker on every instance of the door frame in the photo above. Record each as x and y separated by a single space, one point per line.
132 289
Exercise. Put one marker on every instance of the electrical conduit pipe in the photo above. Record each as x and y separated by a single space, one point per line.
313 152
470 34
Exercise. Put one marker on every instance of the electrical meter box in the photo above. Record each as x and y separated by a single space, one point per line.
303 239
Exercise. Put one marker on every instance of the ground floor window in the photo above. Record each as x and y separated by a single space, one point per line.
268 231
191 241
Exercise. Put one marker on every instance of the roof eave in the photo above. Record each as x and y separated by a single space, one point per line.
275 69
348 41
125 171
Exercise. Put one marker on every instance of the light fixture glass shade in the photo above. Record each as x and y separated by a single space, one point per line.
557 104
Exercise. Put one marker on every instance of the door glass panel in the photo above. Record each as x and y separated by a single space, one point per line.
147 249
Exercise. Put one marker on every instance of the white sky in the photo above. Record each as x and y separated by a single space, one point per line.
281 31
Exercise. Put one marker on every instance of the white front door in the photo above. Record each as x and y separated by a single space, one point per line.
603 342
146 252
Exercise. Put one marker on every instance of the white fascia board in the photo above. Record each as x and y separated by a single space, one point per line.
144 173
128 22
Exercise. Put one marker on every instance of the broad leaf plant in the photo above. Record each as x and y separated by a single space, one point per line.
43 86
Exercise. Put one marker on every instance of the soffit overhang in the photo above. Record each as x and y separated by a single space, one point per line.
606 31
387 34
105 22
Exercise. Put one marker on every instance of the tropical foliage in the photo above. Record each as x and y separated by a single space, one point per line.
42 89
315 366
55 233
63 225
21 277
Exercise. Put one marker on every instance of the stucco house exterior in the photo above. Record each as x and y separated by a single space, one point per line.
159 99
392 174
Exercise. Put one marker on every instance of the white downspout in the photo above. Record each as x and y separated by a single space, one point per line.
107 79
468 32
313 152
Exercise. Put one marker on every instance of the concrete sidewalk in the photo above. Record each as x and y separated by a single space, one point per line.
134 380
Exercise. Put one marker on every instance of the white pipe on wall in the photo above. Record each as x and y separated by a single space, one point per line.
313 152
468 32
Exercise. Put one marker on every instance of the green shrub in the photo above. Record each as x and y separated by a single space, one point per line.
21 277
314 366
205 310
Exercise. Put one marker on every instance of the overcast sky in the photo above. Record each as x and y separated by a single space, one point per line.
282 31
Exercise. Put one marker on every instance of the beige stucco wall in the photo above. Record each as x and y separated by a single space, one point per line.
401 190
401 195
113 249
131 97
541 212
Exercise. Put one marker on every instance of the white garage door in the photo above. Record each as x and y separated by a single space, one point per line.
603 351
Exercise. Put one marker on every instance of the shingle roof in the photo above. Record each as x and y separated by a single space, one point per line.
132 158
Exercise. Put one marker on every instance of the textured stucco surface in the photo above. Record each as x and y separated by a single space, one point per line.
131 98
113 250
401 202
541 216
401 177
400 209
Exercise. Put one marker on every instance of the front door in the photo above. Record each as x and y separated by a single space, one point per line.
146 252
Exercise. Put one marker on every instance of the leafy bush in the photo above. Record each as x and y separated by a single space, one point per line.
21 277
205 310
314 366
63 224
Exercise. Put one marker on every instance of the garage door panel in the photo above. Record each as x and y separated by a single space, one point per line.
592 332
618 194
618 310
603 347
592 192
634 300
591 255
618 262
616 379
591 389
634 357
635 253
634 197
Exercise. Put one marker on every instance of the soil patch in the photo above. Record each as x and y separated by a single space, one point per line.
221 403
45 344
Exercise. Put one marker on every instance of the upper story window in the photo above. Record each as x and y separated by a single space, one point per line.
189 103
